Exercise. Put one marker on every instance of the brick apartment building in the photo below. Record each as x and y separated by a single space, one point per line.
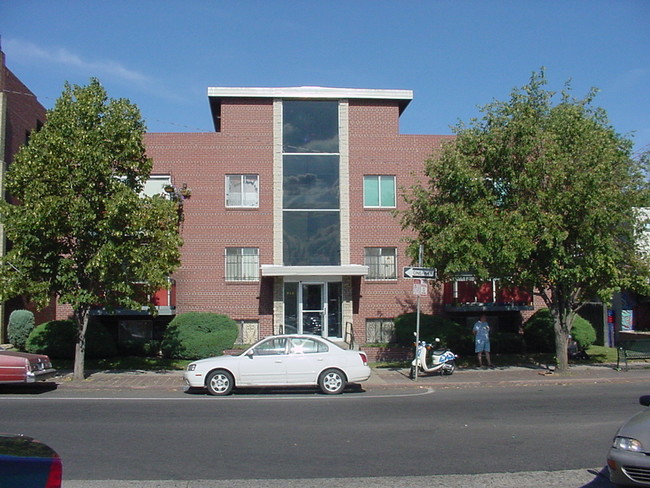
290 225
20 115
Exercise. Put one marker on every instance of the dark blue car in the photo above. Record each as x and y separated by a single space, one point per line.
28 463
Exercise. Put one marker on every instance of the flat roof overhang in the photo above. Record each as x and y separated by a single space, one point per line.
218 93
298 271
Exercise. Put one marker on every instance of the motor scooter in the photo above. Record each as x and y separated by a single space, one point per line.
442 359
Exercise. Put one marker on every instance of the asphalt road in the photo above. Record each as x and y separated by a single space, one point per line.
403 432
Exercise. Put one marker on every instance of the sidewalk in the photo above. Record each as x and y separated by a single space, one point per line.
385 377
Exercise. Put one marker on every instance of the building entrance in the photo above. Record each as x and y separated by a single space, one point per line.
313 308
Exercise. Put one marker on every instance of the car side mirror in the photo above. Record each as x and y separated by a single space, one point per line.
250 353
645 400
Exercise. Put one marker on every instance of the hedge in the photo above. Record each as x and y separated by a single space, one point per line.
196 335
539 332
459 339
57 339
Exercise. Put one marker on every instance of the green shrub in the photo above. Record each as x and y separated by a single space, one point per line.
21 324
540 335
538 332
506 343
583 332
133 347
57 339
452 335
196 335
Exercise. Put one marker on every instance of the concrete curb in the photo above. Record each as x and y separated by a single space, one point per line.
382 378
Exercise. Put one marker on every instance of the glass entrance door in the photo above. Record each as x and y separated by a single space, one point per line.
314 308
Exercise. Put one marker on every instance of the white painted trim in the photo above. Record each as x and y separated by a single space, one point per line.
346 270
309 92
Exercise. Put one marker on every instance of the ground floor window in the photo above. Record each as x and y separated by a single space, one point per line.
380 331
249 331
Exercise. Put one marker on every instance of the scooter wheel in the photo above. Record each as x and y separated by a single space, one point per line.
449 368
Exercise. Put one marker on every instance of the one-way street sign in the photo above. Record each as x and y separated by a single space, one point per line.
412 272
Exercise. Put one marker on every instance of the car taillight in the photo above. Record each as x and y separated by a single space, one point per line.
364 358
56 474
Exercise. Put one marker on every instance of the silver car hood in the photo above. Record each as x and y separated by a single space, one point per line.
638 427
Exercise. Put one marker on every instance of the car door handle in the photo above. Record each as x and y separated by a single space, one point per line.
278 361
319 359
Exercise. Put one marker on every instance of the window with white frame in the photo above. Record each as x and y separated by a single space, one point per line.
379 191
156 184
242 191
242 264
381 262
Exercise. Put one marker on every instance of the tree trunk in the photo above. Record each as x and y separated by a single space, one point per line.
563 320
561 349
81 321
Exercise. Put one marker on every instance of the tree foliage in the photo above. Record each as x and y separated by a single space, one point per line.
81 232
541 193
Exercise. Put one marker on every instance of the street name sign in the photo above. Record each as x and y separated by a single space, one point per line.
413 272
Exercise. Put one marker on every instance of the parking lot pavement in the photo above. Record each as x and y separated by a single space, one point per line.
384 377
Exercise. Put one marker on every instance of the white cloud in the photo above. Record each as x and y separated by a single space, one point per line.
56 55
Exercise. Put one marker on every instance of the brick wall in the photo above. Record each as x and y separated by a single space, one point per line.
244 146
377 148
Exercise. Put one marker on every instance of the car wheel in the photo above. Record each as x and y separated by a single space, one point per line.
332 381
219 383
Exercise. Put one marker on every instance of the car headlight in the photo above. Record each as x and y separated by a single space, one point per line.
191 367
627 444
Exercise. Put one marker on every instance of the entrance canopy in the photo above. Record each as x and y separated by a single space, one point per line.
298 271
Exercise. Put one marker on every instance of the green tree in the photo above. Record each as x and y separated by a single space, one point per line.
81 233
541 193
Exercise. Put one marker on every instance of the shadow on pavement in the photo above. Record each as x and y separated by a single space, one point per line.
601 479
273 390
28 389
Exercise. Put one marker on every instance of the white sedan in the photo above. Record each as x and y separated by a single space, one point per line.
286 360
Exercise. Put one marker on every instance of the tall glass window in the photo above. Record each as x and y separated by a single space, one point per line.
310 126
310 184
312 239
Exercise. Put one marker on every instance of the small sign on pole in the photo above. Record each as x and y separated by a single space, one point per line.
420 288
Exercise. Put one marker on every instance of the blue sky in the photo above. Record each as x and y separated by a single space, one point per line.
455 55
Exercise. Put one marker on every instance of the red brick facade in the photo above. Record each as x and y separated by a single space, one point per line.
20 115
245 145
